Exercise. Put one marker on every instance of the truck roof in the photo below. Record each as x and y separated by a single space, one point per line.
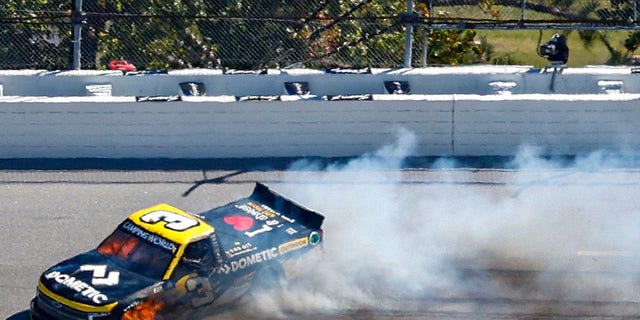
171 223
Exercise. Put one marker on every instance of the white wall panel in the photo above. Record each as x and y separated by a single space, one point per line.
218 130
452 111
566 125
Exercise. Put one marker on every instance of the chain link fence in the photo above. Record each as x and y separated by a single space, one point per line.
256 34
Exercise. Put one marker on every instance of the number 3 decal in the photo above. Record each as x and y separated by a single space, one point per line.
173 220
202 290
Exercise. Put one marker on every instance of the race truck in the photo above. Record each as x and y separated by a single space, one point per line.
164 263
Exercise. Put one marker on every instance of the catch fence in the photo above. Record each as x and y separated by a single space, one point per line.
257 34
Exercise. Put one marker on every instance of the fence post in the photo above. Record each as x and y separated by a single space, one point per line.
408 36
425 44
76 20
425 47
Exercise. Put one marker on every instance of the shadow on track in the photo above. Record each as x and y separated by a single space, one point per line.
22 315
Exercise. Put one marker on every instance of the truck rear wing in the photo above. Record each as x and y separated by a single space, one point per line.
305 216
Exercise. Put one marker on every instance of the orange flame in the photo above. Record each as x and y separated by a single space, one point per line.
146 310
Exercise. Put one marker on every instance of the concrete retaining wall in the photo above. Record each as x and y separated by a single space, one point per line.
464 111
560 124
445 125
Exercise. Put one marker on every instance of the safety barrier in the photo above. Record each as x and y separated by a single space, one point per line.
252 115
444 125
484 80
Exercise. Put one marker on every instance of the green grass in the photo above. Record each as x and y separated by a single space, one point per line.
520 47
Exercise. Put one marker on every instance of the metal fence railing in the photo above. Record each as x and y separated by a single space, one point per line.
253 34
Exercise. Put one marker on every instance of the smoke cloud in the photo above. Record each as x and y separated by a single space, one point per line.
568 227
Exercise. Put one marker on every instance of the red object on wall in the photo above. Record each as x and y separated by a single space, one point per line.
123 65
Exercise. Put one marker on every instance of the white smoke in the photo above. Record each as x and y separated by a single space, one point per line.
389 236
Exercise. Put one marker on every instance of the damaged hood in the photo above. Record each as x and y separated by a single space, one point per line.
92 280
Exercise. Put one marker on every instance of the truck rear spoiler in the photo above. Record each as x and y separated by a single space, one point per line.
305 216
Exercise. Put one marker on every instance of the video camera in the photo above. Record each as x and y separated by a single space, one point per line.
555 50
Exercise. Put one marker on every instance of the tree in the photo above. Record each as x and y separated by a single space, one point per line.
152 34
239 34
35 34
372 34
263 33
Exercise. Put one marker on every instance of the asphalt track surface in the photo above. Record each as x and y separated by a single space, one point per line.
53 213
